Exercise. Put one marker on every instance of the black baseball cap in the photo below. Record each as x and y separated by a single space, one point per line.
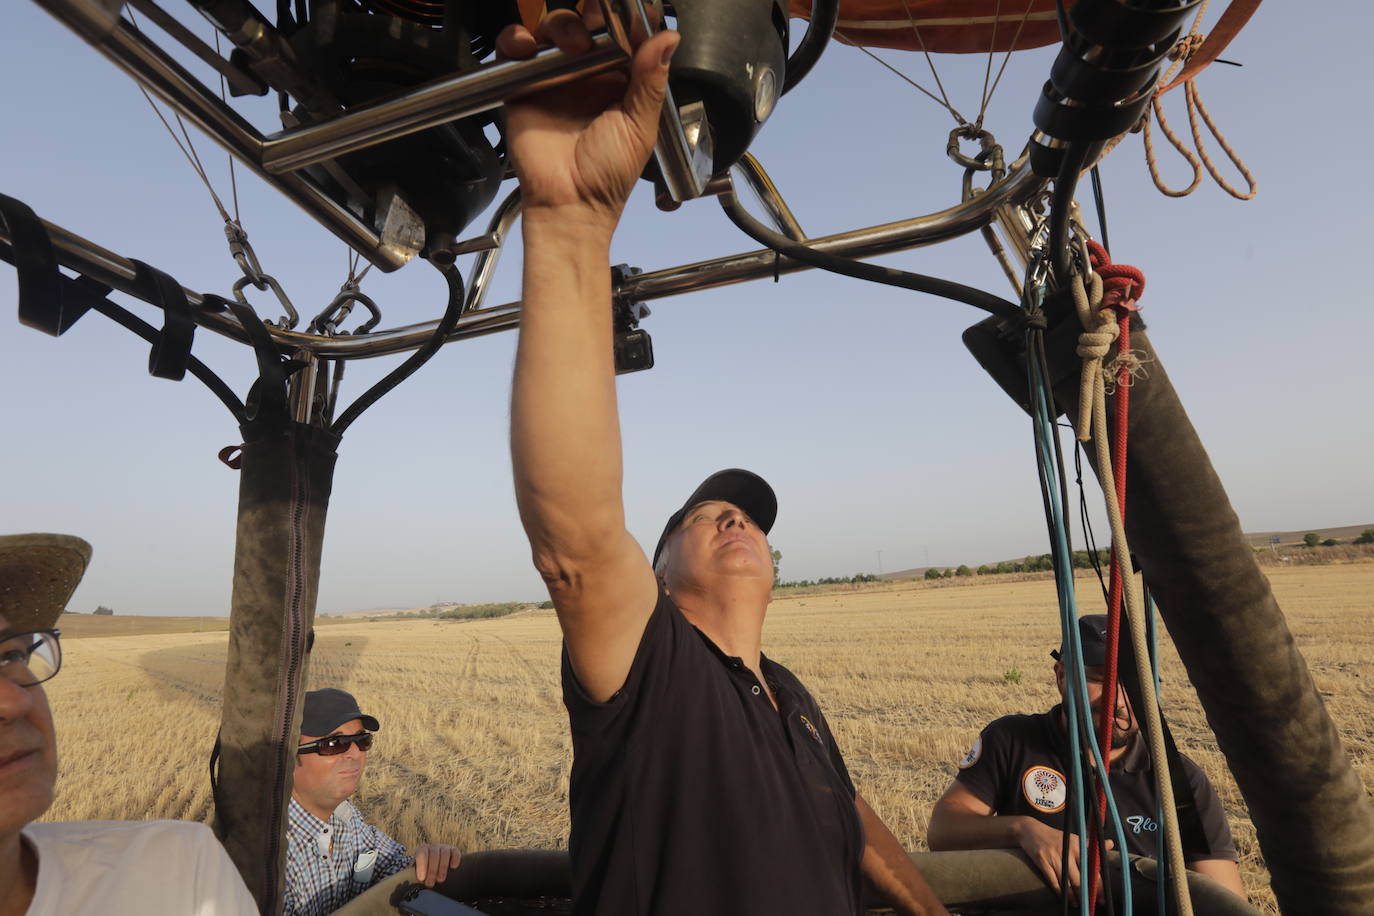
327 709
1092 633
738 487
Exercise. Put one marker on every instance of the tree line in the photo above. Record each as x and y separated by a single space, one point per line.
1312 539
1082 559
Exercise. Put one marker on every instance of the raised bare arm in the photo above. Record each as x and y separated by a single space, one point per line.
578 151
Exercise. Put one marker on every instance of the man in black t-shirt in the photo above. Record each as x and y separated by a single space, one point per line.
705 779
1012 787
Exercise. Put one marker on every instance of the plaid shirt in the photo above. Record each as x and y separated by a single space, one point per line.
326 864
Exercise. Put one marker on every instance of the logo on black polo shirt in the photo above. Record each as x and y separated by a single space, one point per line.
810 728
1045 789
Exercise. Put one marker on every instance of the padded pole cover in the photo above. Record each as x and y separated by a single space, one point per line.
1314 820
284 489
1001 881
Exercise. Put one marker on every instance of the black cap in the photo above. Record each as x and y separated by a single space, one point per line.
327 709
741 488
1092 633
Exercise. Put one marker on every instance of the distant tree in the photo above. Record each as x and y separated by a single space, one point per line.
949 574
777 561
984 570
1311 539
546 605
963 571
104 611
934 573
1330 542
1366 537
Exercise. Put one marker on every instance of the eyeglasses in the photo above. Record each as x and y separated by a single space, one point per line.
30 658
336 744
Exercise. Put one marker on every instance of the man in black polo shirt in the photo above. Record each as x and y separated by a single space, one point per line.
1012 787
705 779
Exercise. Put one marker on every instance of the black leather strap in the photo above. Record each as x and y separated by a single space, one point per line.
172 352
267 397
42 305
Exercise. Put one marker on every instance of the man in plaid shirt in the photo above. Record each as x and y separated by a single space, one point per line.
332 855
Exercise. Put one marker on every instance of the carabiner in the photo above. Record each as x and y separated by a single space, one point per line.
290 319
328 321
989 157
243 254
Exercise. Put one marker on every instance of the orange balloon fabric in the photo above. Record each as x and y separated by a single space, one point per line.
943 26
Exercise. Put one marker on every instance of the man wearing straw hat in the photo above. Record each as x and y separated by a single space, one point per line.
108 867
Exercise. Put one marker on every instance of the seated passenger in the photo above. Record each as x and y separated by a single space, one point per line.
1011 788
332 855
59 868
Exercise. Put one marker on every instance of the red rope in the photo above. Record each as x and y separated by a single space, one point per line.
1122 286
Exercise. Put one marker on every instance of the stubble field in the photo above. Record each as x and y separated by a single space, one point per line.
474 748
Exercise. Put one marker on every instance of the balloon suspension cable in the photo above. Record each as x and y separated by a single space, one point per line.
941 100
239 247
862 270
992 45
916 31
233 178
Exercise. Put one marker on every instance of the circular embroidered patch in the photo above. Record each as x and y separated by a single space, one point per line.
974 754
1045 789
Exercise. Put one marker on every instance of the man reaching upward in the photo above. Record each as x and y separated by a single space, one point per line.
705 779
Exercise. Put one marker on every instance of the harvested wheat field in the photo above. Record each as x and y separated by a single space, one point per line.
473 748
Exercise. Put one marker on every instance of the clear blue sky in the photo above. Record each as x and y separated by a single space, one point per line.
857 402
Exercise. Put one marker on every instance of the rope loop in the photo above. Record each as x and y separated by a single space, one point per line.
1187 46
1122 284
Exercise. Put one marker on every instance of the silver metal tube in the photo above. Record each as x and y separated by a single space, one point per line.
439 102
154 69
485 266
758 180
90 259
302 386
686 163
1019 186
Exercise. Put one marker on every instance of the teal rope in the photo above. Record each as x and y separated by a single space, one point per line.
1077 709
1161 860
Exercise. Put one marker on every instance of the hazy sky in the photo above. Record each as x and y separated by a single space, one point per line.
857 402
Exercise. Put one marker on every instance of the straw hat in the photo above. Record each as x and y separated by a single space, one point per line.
38 573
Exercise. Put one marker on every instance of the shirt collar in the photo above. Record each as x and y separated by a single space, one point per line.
1135 760
735 663
298 816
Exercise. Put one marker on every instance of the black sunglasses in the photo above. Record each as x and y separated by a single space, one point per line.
336 744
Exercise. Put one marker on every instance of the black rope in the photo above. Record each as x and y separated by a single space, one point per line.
1101 203
799 251
415 360
1089 536
1061 207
